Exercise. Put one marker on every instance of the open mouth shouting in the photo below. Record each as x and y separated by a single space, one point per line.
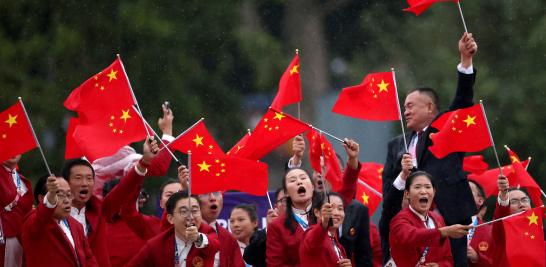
301 191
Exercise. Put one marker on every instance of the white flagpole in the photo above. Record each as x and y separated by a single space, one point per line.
370 188
35 138
491 138
399 111
158 137
462 17
133 94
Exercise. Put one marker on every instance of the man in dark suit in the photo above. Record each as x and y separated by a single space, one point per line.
453 198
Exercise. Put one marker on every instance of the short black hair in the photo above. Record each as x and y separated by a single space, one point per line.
250 209
413 175
171 203
277 192
75 162
40 188
431 93
168 182
481 191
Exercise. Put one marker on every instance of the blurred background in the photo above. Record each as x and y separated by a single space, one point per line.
222 60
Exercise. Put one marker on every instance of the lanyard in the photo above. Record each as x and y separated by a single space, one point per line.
473 230
425 252
336 248
301 222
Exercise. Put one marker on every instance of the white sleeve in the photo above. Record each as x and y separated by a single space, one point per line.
205 242
469 70
49 205
167 137
399 183
291 166
503 203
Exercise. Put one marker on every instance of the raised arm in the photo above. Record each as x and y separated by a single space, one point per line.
467 74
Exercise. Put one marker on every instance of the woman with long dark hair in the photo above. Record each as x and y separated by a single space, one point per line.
285 233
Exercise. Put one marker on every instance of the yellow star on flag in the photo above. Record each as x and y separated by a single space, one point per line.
469 120
294 69
514 159
125 115
11 120
279 116
533 219
204 166
198 140
383 86
365 198
112 75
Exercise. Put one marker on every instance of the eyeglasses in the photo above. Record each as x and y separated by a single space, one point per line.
185 212
281 201
523 200
63 196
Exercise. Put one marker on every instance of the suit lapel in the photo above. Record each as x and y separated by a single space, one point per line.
77 241
422 145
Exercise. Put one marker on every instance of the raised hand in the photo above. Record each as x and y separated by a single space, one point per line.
353 150
467 48
407 166
165 123
183 176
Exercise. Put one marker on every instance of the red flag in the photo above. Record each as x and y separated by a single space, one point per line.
527 230
16 136
198 140
319 146
475 164
72 150
522 178
370 174
514 157
418 6
242 143
273 130
289 86
373 99
104 90
103 136
462 130
488 179
211 173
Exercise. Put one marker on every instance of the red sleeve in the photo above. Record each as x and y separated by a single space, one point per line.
8 192
274 246
160 164
403 232
129 184
214 244
90 260
497 228
313 238
483 260
348 190
142 258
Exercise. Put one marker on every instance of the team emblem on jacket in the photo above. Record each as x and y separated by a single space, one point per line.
352 231
197 262
483 246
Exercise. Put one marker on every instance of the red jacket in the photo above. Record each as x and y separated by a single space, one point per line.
498 253
230 253
409 237
12 221
45 244
283 246
123 243
375 242
482 243
317 248
159 251
96 234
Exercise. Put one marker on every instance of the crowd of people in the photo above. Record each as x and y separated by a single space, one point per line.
430 208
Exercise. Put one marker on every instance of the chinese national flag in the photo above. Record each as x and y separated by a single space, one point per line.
514 157
319 146
100 93
235 149
525 229
462 130
273 130
289 86
522 178
211 173
72 150
16 136
488 179
475 164
370 174
373 99
419 6
198 140
104 136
